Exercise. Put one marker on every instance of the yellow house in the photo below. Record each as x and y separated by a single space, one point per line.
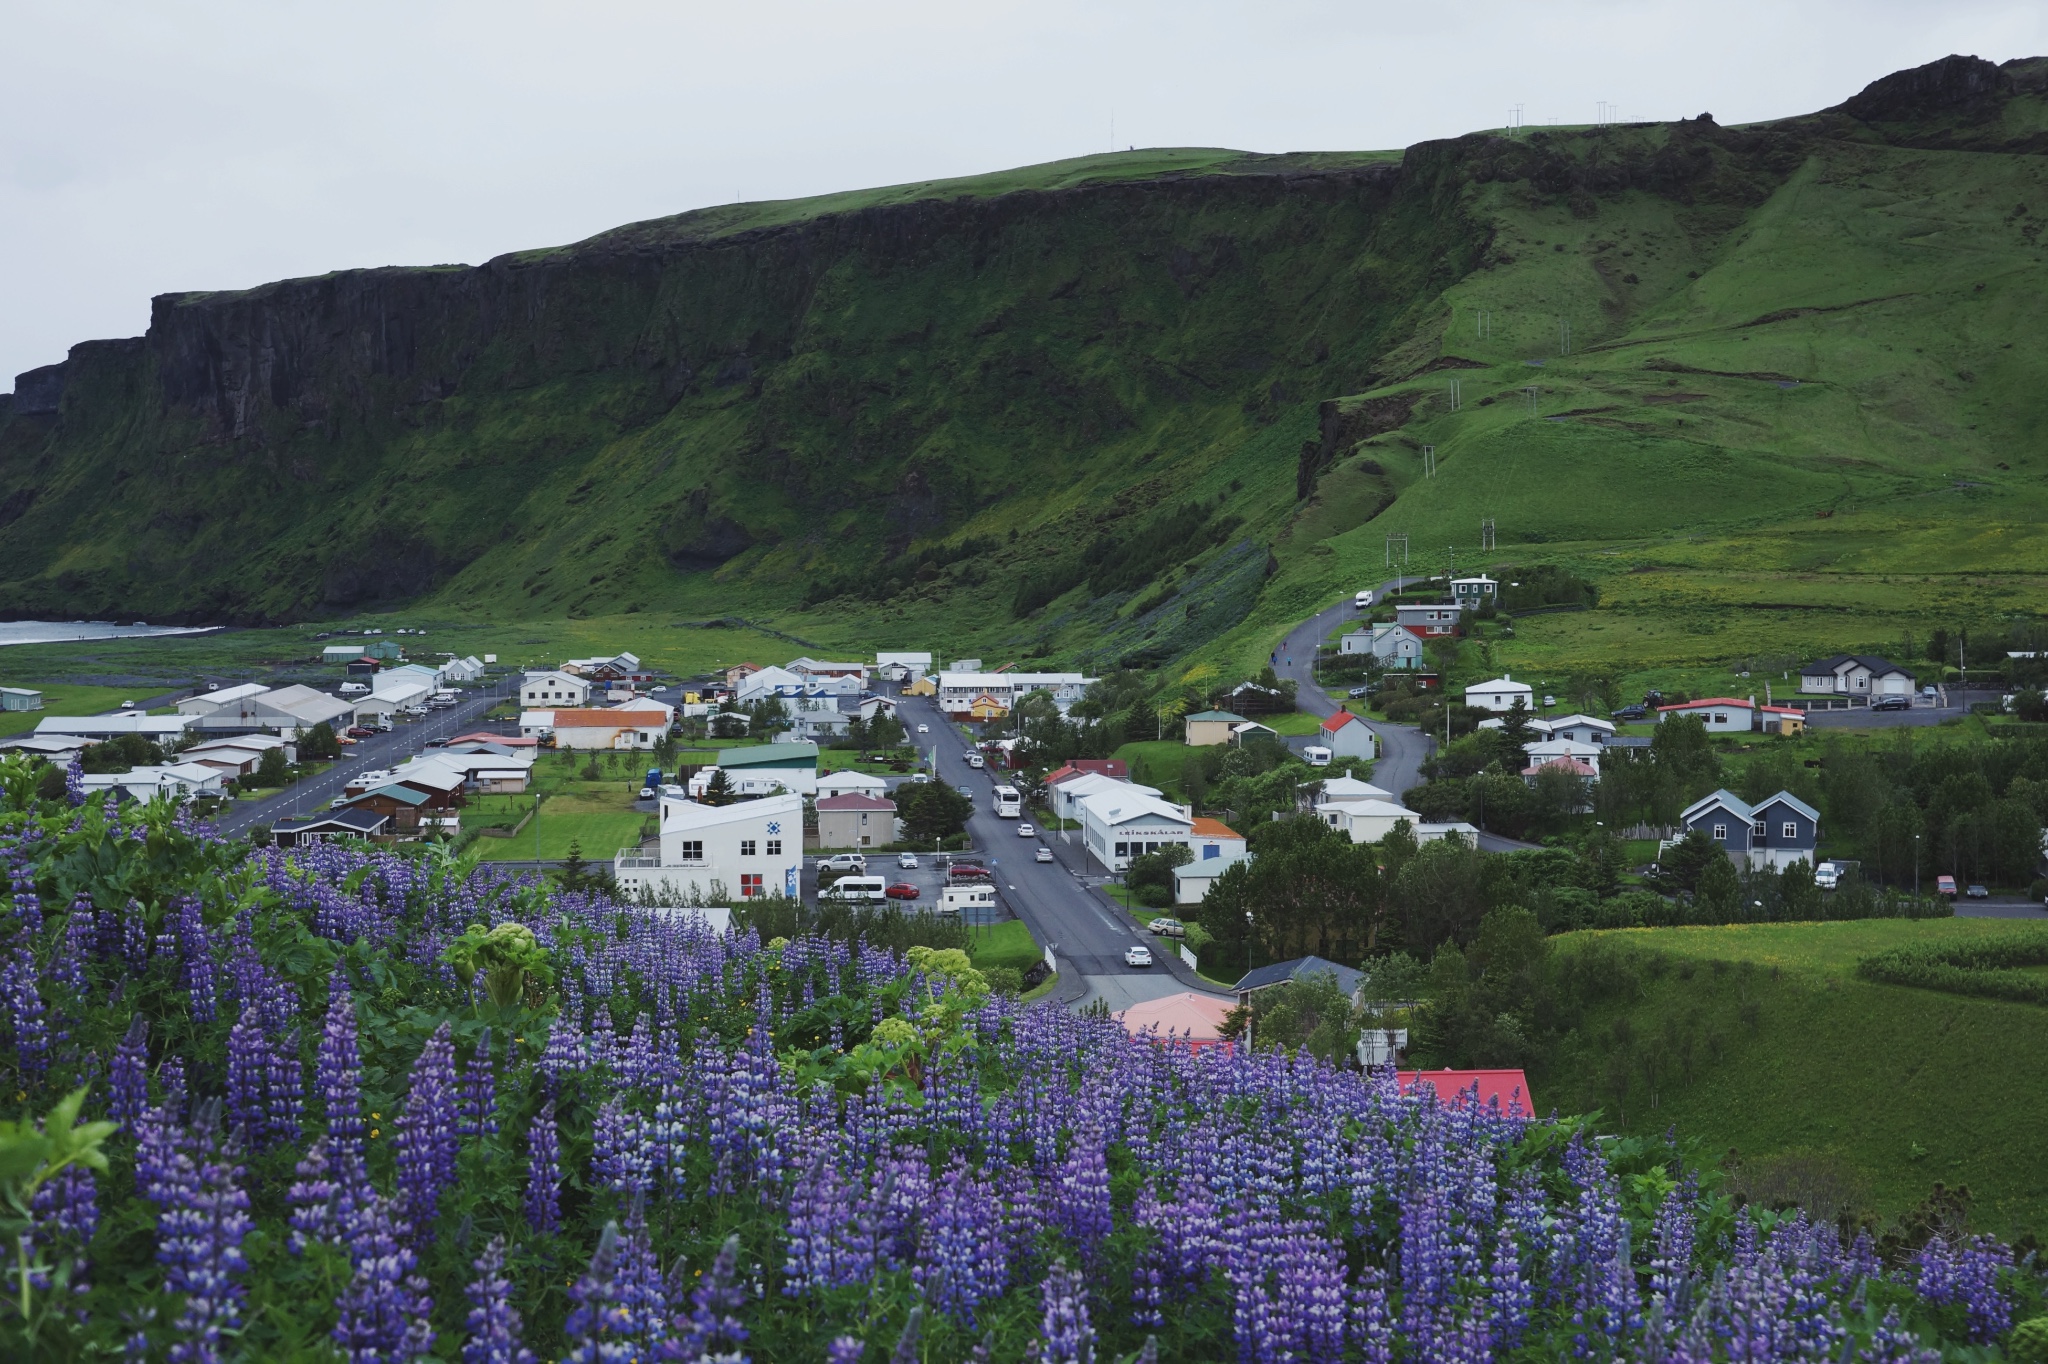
921 686
1783 720
986 707
1206 727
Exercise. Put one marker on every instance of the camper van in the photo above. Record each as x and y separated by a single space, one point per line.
1363 600
1315 755
953 899
872 889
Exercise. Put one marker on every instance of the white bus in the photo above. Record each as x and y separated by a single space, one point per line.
1009 805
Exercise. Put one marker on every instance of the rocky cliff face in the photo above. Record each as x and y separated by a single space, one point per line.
580 429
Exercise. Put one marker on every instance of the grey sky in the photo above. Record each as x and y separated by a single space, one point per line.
147 147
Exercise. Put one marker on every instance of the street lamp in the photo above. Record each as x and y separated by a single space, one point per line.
1247 940
1916 864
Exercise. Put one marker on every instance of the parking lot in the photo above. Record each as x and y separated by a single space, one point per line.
928 877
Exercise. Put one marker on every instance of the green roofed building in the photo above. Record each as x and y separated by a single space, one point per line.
760 769
1206 727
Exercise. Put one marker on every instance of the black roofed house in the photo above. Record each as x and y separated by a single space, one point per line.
291 833
1858 675
1350 981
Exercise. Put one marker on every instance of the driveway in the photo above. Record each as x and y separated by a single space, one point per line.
1060 901
314 793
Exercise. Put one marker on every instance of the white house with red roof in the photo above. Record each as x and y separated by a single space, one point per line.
1720 714
1347 736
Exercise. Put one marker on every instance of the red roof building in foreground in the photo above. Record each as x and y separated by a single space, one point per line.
1508 1088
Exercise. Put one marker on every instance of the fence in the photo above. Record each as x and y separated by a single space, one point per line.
1187 956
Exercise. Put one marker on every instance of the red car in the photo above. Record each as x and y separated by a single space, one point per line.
902 890
966 871
358 732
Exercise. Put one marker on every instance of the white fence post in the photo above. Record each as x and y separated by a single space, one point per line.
1187 956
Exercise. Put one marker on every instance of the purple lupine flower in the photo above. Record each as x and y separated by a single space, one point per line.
712 1330
284 1099
74 782
544 1173
493 1320
844 1350
1064 1336
1081 1196
195 952
129 1083
426 1135
831 1243
384 1313
338 1077
202 1216
620 1303
1968 1274
66 1212
479 1115
906 1351
25 1015
135 936
621 1158
75 948
248 1078
961 1259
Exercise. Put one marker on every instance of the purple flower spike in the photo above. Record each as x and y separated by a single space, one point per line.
544 1173
74 782
24 1013
130 1080
1065 1337
338 1076
713 1331
493 1320
426 1135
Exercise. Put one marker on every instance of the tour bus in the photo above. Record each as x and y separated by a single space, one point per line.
1009 805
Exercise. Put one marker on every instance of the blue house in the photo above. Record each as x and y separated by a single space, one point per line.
1775 832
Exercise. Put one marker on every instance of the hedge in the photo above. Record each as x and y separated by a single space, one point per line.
1980 966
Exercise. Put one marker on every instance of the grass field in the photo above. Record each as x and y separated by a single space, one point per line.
1005 944
1793 1056
63 699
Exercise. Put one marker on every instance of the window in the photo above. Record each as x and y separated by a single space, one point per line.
1123 850
775 847
1762 830
1720 833
746 847
1791 829
750 885
1210 850
693 850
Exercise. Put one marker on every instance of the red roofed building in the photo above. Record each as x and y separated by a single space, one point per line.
1216 847
621 728
1720 714
1347 736
1114 768
1507 1088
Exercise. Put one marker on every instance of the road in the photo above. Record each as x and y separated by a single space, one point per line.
314 793
1060 901
1403 748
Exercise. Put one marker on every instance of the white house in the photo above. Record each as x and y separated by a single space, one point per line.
871 706
1856 675
958 690
207 702
1366 821
1343 790
850 782
1429 619
545 691
819 717
1217 847
1500 695
819 669
716 853
1347 736
20 698
903 665
637 727
1395 646
461 669
1552 750
765 682
1720 714
1580 729
1121 824
146 783
237 757
404 678
1066 796
764 769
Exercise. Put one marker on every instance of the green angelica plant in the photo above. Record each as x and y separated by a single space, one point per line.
508 956
31 1155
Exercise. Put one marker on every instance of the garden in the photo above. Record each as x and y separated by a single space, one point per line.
339 1102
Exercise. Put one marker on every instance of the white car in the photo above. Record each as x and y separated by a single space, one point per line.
924 729
1044 854
1138 956
907 861
1026 831
976 760
647 793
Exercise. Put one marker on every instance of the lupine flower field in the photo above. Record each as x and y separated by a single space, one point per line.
339 1102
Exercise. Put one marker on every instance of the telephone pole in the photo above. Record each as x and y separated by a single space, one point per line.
1486 534
1429 461
1455 400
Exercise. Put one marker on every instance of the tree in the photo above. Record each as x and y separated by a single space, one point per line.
1150 875
718 790
1681 750
1515 727
931 811
1312 1012
1680 865
271 769
1718 897
886 731
1441 895
319 742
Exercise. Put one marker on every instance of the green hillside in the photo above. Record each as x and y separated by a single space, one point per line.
1770 387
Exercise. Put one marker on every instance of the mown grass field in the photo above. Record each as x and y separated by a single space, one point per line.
63 699
1793 1056
1005 944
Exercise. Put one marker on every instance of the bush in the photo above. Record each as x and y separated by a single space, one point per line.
1990 967
1004 980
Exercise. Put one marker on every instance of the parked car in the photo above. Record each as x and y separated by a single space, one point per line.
902 890
1044 854
968 871
1945 885
359 732
1549 701
976 760
843 862
1357 692
1892 703
924 729
1929 692
1026 831
1138 956
907 861
1632 713
1827 876
127 705
1166 926
1976 892
647 793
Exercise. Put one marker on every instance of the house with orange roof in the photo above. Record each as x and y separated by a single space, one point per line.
1216 847
584 728
1347 736
1720 714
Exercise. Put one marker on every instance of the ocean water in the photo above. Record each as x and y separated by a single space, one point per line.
57 631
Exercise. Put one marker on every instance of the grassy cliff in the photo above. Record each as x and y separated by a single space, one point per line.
1770 385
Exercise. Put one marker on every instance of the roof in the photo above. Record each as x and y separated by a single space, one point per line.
1280 972
1342 718
1571 765
1204 827
854 800
1351 788
1114 768
847 777
584 717
1500 684
1219 715
1828 667
1376 808
1189 1013
1565 721
1710 701
354 820
1123 803
679 813
121 722
1725 799
769 755
1510 1088
404 795
429 774
1563 747
508 740
1787 798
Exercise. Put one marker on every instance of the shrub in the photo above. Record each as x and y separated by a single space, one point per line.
1990 967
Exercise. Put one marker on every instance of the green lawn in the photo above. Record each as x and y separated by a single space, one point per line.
1005 944
1793 1056
598 835
1156 763
1293 724
61 698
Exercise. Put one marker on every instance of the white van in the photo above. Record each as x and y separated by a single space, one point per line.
1315 755
953 899
874 889
354 689
1362 600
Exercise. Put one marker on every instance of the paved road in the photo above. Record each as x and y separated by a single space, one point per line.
1999 909
381 750
1059 901
1403 748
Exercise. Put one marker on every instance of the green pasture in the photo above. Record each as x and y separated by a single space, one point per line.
1005 944
60 698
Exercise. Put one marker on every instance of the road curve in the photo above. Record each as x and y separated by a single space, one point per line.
1403 748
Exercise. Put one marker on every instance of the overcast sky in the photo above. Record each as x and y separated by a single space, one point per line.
148 147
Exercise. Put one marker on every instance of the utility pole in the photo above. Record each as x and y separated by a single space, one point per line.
1564 336
1456 403
1486 533
1429 461
1532 390
1397 538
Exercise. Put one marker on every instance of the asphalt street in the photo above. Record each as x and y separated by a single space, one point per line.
1403 748
1060 900
314 793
